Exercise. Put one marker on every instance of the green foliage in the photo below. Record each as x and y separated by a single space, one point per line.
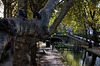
79 17
70 58
54 15
30 13
59 44
56 12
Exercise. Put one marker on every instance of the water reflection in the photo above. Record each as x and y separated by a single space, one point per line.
97 61
78 58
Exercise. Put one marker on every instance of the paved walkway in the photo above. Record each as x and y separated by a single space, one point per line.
49 57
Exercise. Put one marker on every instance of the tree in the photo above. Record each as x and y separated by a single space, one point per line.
29 31
9 6
63 12
84 14
92 18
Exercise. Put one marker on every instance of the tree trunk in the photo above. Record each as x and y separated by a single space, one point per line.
95 38
4 8
33 54
86 35
22 48
89 36
24 30
25 7
8 5
21 57
67 5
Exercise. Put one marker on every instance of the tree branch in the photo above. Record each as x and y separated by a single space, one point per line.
67 5
46 13
33 27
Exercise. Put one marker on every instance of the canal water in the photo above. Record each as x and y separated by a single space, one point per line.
77 57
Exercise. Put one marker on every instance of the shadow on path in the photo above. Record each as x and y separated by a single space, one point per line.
48 57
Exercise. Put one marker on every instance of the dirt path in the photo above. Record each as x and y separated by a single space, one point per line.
49 57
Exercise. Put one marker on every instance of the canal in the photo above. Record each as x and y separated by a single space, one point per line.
75 56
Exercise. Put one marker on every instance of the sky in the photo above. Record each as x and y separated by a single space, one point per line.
1 9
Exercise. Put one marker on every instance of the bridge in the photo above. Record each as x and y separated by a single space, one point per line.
73 39
63 38
66 39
